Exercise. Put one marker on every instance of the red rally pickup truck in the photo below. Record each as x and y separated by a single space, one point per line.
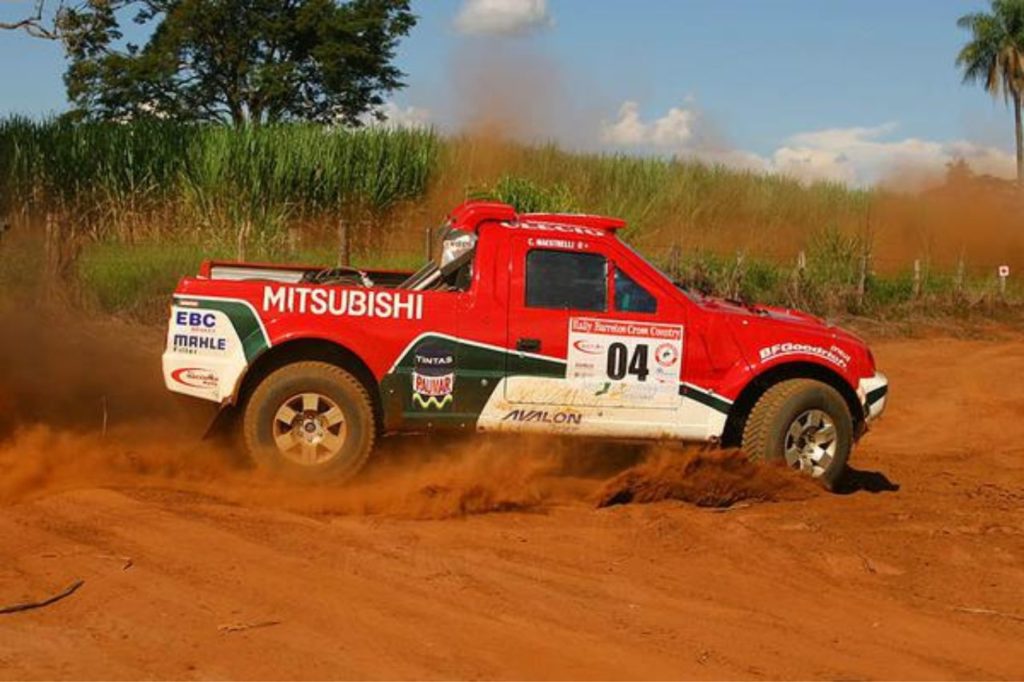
524 322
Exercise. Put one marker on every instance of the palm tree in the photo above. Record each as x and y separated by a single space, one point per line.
994 57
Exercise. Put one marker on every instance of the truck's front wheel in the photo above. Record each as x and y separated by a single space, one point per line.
310 420
804 422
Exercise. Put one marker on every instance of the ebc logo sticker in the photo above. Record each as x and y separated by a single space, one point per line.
433 375
196 377
195 320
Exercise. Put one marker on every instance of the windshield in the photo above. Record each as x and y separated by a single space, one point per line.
690 294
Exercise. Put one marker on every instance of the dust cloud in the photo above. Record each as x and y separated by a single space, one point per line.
84 407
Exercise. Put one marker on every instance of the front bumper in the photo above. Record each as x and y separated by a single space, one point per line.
874 394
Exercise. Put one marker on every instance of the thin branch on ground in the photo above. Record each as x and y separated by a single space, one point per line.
988 612
27 606
241 627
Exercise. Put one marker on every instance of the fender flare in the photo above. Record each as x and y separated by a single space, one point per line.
799 367
305 348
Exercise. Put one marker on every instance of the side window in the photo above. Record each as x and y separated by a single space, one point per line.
562 279
630 297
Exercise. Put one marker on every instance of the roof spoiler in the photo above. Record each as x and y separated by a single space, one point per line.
472 214
582 219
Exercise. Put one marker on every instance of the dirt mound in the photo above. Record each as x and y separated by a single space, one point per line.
706 478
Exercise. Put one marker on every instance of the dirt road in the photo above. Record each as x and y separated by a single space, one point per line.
398 579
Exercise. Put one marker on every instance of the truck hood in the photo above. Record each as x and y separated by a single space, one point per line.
756 327
731 308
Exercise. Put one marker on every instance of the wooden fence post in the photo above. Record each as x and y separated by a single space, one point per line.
673 262
958 282
799 276
344 257
428 243
243 237
737 278
917 278
862 276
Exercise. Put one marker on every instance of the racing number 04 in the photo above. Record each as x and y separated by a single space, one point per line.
620 363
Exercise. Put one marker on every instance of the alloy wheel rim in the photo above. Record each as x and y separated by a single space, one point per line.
309 429
811 442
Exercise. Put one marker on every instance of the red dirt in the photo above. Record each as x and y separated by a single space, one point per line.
405 575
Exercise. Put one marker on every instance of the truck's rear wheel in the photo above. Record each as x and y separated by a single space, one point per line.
310 420
804 422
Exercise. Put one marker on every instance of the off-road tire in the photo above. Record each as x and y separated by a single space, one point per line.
330 381
765 431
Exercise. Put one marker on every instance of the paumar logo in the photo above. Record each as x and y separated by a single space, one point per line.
544 417
433 376
196 377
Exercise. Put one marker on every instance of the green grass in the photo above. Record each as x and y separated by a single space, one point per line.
145 202
203 179
124 278
152 177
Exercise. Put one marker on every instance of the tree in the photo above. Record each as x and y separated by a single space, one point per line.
34 24
994 57
64 21
244 61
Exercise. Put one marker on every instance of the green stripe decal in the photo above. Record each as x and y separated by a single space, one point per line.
243 319
876 394
707 399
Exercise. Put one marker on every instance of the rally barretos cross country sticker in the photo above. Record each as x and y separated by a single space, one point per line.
433 376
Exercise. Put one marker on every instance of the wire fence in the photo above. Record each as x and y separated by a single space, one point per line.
854 279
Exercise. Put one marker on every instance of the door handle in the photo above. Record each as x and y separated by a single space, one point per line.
528 345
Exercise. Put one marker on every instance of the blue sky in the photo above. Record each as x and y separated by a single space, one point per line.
853 90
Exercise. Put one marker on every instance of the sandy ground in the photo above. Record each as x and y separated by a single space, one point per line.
923 581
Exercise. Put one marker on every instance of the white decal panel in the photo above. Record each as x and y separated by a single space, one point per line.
204 356
688 419
626 361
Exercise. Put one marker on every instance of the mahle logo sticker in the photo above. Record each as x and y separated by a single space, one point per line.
433 376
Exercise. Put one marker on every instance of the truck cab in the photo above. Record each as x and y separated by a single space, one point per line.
524 323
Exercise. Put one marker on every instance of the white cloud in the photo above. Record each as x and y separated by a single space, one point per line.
502 17
863 156
858 156
396 116
673 130
681 131
628 130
